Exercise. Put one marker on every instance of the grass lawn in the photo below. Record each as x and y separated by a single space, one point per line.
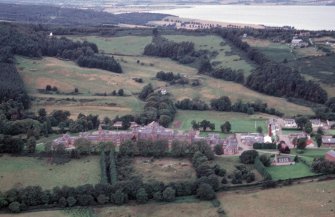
240 122
308 200
24 171
128 45
310 154
164 169
291 171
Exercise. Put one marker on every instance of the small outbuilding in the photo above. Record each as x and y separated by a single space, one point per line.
330 156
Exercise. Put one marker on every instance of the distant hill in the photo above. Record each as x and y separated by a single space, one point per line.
102 3
43 14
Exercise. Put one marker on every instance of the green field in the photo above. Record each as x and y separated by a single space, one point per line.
134 45
310 154
308 200
213 43
24 171
128 45
291 171
239 122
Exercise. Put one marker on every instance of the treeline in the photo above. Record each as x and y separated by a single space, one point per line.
100 62
173 78
12 86
163 47
272 78
24 40
326 112
224 104
227 74
280 80
70 16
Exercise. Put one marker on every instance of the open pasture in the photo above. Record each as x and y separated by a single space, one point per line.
17 172
240 122
279 51
308 200
165 169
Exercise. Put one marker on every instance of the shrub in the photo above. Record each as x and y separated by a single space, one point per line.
265 159
141 196
248 157
205 192
15 207
218 149
169 194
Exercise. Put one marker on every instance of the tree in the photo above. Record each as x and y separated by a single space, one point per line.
226 127
31 145
265 159
301 121
15 207
120 92
318 139
102 199
301 143
83 145
205 192
146 91
308 127
141 196
218 149
259 129
119 197
169 194
320 131
195 125
71 201
248 157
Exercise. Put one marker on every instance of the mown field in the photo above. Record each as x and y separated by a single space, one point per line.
18 172
166 170
290 171
239 122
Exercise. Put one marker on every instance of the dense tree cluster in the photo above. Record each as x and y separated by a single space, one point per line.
26 41
163 47
158 108
323 166
172 78
272 78
99 61
226 74
47 14
264 146
12 86
280 80
242 173
192 104
248 157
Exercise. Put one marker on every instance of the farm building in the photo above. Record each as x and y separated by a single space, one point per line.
282 160
251 138
328 140
290 123
316 123
330 156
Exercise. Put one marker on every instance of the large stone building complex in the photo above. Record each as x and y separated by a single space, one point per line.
152 132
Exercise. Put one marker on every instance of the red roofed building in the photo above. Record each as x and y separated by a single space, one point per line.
330 156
